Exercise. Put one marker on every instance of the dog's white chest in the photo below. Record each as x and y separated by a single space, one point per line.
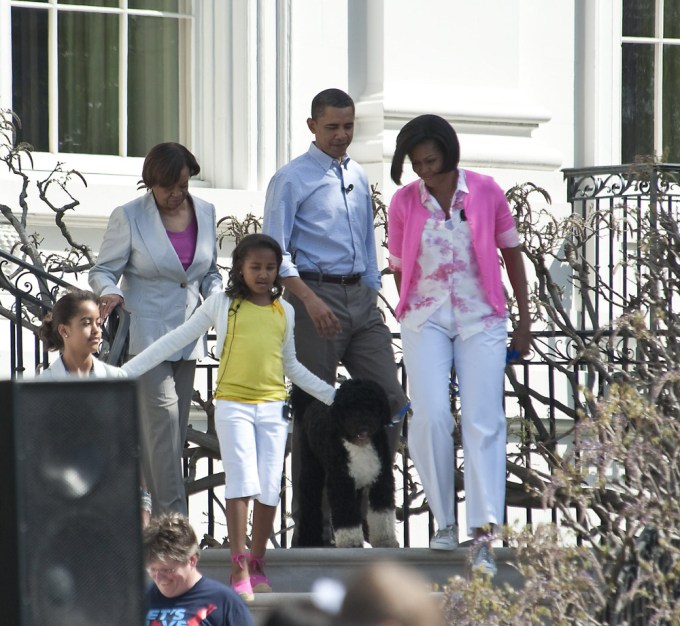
364 464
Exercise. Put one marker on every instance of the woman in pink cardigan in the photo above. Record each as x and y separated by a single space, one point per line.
444 231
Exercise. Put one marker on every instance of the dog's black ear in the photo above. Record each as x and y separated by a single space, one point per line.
357 391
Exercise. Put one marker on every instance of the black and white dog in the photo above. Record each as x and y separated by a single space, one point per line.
344 448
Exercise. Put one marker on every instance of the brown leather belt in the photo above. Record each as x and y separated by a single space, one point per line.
350 279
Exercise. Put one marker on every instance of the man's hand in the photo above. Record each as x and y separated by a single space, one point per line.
325 322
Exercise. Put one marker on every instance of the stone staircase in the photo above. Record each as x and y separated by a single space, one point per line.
293 571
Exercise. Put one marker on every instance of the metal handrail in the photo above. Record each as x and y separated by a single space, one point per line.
115 333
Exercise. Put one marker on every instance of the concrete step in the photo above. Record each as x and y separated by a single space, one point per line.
265 603
293 571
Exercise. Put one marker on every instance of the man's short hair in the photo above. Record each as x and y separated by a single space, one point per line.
169 537
336 98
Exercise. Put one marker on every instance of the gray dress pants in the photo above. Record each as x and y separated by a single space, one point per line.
165 399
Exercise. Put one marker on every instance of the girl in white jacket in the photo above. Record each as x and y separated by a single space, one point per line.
74 327
256 348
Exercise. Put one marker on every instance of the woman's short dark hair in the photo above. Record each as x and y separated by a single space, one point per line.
236 286
164 163
336 98
419 130
63 311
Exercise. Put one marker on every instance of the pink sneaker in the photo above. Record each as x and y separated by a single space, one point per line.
242 587
258 579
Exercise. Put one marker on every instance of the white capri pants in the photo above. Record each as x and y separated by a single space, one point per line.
253 445
429 354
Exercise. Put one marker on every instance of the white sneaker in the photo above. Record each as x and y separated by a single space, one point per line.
482 560
445 538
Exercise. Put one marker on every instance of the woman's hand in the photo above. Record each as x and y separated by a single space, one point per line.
514 265
108 303
521 340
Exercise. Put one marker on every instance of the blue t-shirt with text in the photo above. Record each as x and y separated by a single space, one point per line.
207 603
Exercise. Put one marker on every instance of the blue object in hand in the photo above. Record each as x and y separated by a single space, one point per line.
512 356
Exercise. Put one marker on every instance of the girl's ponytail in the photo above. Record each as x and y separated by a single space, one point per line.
49 334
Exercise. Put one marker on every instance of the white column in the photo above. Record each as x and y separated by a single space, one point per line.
5 55
597 83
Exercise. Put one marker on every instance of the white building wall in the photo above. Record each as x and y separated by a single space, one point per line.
499 71
502 71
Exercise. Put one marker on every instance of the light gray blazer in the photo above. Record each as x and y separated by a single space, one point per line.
214 313
159 293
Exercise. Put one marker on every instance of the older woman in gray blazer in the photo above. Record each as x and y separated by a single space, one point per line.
162 248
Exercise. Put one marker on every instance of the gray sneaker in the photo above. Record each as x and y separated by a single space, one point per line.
482 560
445 538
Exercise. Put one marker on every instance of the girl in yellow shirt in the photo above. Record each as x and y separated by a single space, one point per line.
256 348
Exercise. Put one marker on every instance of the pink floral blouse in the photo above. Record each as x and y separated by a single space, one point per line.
447 269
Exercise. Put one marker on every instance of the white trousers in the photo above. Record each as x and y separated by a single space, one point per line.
429 354
253 445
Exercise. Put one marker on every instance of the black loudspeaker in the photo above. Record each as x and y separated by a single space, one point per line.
70 519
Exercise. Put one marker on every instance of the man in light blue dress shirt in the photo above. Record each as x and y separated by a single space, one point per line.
318 207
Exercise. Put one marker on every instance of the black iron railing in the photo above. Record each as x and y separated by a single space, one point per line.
27 293
623 197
